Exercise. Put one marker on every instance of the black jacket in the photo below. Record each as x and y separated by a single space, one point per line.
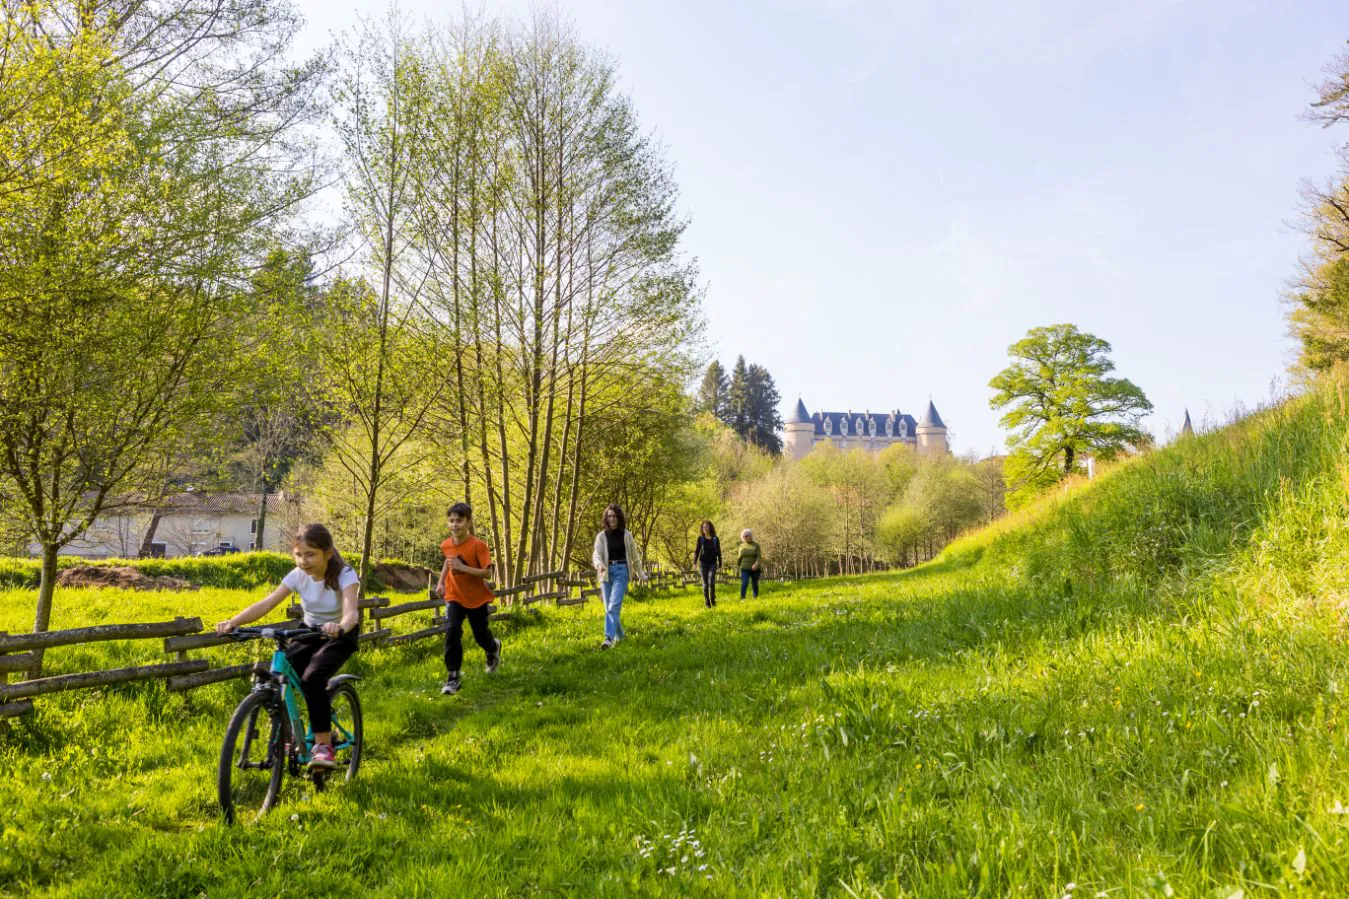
707 551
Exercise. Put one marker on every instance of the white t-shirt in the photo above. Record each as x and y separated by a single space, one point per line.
320 604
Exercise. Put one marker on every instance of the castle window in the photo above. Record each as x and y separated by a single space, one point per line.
829 426
889 428
843 426
871 427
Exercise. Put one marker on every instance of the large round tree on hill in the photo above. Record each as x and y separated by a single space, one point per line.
1061 404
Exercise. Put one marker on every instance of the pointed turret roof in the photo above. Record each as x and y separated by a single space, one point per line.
801 415
930 418
1187 429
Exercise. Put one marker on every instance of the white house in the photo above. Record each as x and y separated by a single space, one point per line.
188 524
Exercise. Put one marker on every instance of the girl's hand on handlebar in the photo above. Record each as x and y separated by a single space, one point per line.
332 629
224 627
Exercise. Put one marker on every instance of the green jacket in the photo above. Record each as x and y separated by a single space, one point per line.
749 555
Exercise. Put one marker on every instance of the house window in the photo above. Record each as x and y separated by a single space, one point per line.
252 546
253 526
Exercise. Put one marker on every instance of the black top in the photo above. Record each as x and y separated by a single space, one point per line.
708 552
618 547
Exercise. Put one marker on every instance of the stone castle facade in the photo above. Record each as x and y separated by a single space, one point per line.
871 431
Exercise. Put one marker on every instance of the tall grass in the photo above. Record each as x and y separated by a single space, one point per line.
1136 690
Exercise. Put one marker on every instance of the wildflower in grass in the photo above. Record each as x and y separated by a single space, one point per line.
1140 807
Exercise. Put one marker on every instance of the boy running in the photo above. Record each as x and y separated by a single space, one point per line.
468 563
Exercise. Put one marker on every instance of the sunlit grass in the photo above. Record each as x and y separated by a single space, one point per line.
1137 689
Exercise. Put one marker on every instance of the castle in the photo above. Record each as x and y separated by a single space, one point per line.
863 430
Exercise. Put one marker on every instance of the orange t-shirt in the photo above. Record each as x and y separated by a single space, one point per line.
468 590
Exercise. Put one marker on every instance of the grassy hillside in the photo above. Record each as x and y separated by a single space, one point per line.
1132 689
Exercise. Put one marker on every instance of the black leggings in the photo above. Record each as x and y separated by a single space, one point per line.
709 573
316 658
454 637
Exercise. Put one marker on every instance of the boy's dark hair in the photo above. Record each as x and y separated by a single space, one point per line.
463 510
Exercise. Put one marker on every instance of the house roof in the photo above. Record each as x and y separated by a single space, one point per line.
858 423
217 503
930 418
801 415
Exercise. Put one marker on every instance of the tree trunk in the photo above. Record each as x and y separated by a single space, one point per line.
259 536
1068 458
45 591
147 543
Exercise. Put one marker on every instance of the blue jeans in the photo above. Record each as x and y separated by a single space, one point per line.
746 576
613 591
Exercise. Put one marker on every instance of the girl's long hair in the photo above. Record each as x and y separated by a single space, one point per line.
319 537
711 528
618 515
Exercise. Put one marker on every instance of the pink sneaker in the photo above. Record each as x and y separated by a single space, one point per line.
322 757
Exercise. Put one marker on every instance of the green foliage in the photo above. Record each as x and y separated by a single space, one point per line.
714 390
751 408
1063 406
1319 298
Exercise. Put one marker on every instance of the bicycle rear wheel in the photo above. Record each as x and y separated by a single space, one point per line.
348 729
253 757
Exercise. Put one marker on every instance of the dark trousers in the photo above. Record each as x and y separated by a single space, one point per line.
316 658
746 577
709 573
454 637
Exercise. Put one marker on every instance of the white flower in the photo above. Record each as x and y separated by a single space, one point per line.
295 817
46 777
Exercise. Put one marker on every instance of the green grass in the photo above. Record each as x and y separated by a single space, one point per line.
1133 689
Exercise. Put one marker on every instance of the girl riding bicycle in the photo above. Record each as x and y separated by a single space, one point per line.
328 589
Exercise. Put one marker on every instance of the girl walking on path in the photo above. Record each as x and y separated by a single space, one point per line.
751 559
707 556
616 560
328 588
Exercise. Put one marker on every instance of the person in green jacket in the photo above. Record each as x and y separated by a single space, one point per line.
751 560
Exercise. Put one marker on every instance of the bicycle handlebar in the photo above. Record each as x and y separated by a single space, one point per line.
270 633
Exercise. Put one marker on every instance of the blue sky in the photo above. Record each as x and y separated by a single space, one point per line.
884 195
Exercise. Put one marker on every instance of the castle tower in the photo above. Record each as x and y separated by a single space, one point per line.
1187 429
798 432
931 432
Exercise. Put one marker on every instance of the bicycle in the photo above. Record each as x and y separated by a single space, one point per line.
251 767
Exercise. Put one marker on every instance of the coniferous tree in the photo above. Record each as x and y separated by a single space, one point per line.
738 399
713 392
764 420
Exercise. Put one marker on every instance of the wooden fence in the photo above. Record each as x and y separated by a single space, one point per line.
20 653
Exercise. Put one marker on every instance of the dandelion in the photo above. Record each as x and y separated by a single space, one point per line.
1139 807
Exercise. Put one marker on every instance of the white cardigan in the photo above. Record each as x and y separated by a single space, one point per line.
600 557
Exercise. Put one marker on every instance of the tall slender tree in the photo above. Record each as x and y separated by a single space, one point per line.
150 153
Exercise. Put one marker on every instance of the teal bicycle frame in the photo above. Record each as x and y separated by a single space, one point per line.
283 674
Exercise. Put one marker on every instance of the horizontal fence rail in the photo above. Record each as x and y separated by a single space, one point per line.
21 653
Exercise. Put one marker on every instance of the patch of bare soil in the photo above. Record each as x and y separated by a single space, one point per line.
121 576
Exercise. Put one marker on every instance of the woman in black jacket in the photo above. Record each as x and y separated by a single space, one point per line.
707 556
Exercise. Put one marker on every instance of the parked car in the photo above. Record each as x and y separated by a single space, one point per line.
223 549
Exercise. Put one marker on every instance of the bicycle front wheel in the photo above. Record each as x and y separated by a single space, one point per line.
252 758
348 729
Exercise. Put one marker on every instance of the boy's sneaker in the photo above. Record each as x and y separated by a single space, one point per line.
322 757
608 643
494 660
451 684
